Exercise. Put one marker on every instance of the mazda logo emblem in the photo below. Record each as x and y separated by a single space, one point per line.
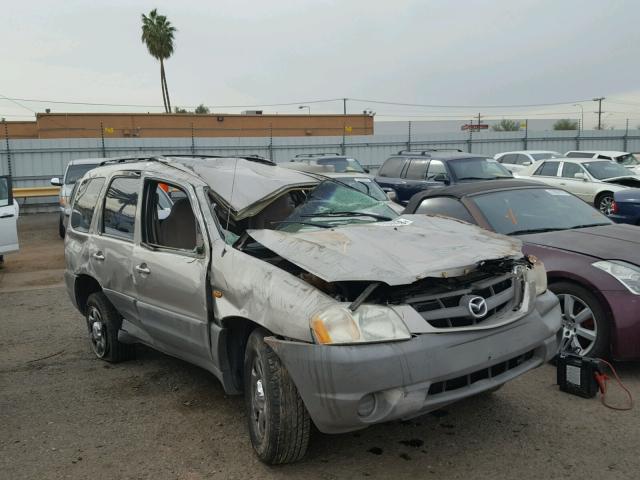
477 307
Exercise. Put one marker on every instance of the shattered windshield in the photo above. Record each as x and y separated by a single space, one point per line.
628 160
333 203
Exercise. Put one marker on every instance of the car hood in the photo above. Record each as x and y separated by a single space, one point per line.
608 242
625 180
396 252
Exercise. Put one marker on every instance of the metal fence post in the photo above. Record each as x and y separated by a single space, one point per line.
6 139
578 138
104 150
469 140
271 142
526 135
409 138
624 139
344 138
193 141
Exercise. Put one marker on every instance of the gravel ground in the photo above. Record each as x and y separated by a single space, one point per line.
65 414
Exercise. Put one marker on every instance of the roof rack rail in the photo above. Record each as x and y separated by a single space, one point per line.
251 157
428 151
302 155
133 158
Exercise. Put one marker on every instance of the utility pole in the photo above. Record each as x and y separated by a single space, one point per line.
599 112
344 106
479 118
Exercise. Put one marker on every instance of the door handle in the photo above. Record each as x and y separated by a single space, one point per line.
142 268
99 256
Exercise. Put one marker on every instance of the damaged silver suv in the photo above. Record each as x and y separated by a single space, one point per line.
317 301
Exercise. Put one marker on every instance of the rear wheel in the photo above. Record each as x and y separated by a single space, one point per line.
585 324
279 424
103 323
604 203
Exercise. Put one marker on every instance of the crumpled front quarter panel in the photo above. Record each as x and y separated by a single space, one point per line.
265 294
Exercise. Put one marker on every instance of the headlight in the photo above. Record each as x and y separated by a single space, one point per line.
626 273
538 275
369 323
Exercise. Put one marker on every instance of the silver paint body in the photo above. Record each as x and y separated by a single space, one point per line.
166 297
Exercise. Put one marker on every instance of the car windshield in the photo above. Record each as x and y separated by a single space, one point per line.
365 185
606 169
478 168
628 160
342 165
333 203
74 172
532 210
545 155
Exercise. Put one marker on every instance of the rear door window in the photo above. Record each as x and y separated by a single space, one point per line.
417 169
392 167
85 203
569 170
509 158
120 205
436 167
548 169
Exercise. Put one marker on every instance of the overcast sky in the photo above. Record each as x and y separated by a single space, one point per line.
256 52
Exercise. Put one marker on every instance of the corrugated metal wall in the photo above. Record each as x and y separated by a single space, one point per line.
34 162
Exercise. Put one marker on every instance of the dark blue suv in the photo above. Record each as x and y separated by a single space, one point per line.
410 172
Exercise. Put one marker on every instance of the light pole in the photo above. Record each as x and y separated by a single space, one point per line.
581 115
305 106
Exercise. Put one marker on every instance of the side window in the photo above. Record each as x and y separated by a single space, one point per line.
522 159
176 228
604 157
548 169
417 169
577 154
85 204
509 158
120 205
436 167
449 207
392 167
569 170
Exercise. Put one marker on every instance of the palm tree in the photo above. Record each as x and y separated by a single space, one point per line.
157 35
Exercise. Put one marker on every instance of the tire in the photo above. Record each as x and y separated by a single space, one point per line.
104 336
61 230
597 323
603 202
279 424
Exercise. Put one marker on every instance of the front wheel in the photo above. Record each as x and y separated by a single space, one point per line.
605 203
279 423
585 324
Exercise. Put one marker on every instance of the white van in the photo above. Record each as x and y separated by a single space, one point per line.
8 218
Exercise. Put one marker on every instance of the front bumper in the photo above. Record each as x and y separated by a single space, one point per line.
413 377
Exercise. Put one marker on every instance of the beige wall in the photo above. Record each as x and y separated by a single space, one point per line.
83 125
19 129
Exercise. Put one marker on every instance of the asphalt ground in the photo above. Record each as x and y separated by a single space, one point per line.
66 414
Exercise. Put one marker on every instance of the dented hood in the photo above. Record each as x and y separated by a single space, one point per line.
397 252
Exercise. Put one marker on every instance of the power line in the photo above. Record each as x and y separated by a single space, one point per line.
381 102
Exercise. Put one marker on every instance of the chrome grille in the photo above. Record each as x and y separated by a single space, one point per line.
452 309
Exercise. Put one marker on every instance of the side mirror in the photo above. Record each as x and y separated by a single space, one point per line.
392 195
580 176
56 182
527 163
366 170
442 177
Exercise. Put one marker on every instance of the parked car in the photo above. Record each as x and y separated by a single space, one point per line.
626 207
75 170
594 181
593 265
317 300
626 159
516 161
341 163
9 211
409 172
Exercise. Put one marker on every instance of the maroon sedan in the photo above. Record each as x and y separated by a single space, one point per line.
593 265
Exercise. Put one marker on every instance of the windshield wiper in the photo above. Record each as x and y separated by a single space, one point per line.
313 224
348 214
535 230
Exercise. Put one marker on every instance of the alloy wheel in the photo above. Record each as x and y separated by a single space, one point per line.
606 205
258 398
97 332
579 325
